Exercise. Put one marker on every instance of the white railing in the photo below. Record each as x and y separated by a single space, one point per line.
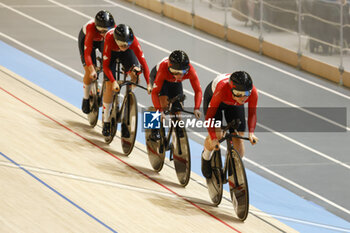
325 35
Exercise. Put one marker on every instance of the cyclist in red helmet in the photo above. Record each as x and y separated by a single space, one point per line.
122 44
229 93
91 36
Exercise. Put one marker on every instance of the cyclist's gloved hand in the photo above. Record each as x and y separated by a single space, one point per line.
149 88
253 139
115 86
215 144
197 113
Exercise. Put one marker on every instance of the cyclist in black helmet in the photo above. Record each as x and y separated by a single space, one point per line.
229 93
91 36
167 77
121 43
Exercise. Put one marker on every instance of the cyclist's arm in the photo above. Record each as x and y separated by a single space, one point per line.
212 108
88 45
196 88
252 104
136 47
157 86
107 57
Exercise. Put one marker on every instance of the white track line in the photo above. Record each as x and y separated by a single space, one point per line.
203 137
188 92
150 191
41 54
252 162
86 179
39 22
287 180
53 6
166 51
300 221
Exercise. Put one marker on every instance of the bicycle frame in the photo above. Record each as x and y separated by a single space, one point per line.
98 69
166 142
173 119
230 147
95 97
116 95
126 92
128 84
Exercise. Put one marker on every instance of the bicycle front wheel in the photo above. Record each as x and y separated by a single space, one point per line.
238 184
129 123
215 183
155 148
94 105
114 120
182 156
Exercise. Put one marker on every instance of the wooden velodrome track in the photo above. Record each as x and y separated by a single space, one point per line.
57 175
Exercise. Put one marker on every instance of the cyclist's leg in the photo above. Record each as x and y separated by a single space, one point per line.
163 95
86 81
237 112
208 93
163 99
107 105
108 96
207 151
131 64
175 89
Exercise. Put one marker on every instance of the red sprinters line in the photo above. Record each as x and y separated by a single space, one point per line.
130 166
178 158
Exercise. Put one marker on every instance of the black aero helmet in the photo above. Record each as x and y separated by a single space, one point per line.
178 60
123 33
241 81
104 19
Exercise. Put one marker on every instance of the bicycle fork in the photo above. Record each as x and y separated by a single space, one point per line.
127 105
230 159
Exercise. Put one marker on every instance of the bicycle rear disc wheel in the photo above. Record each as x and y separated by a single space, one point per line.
156 150
215 184
94 107
238 184
129 117
182 157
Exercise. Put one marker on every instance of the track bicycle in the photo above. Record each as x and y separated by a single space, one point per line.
126 113
232 173
175 141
